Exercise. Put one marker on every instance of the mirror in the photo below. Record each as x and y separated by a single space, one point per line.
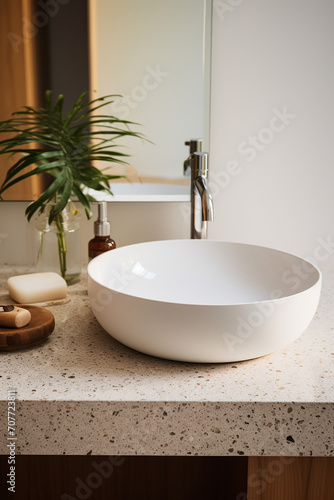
157 55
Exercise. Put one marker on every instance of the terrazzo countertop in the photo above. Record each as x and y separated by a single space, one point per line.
81 392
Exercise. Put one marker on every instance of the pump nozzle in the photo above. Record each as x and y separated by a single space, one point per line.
101 225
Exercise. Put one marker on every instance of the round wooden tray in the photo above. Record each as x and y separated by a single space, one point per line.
41 325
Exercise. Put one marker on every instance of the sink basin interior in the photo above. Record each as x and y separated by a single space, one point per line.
206 272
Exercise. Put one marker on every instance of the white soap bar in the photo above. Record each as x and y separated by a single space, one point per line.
37 287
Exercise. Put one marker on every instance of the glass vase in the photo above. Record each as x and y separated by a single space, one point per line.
59 243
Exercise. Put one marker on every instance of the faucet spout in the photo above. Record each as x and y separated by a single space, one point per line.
202 188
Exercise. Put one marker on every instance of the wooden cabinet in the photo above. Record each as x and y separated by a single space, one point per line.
171 478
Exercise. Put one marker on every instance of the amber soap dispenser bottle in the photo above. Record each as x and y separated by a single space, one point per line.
102 241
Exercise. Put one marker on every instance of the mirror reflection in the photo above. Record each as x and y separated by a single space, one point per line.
156 54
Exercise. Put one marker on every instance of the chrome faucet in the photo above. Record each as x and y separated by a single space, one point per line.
197 165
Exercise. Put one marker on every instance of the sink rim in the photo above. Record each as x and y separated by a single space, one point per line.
94 263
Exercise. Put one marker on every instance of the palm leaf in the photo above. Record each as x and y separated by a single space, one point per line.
65 145
46 197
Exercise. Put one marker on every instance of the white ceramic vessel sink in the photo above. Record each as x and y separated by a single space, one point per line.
202 300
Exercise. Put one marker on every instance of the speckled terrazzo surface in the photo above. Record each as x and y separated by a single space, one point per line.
82 392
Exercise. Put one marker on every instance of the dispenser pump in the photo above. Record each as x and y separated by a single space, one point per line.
102 225
102 241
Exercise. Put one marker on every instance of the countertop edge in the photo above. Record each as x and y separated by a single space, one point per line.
171 428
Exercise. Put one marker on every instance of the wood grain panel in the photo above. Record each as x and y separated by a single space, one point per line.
20 82
290 478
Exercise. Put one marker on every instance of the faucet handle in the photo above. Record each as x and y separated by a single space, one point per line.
194 145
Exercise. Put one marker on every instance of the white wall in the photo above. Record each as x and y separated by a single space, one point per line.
274 55
267 55
130 223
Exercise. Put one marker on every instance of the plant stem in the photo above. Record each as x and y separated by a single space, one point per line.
62 250
40 248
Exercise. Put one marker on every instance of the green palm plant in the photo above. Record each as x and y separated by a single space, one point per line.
66 146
